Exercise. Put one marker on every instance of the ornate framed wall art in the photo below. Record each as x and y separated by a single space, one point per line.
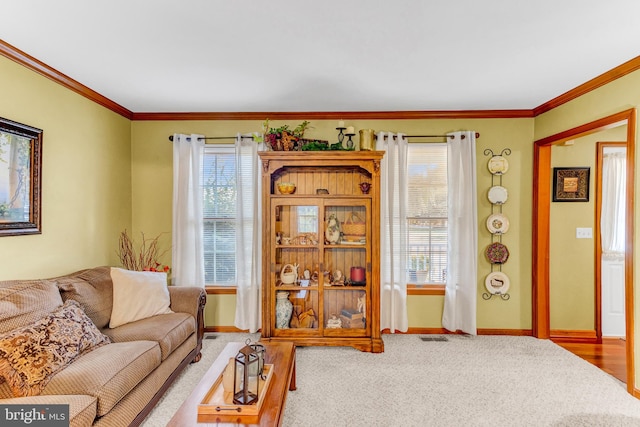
20 178
571 184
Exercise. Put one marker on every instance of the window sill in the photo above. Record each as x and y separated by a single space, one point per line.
220 290
425 289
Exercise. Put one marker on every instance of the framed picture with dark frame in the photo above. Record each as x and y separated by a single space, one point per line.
20 178
571 184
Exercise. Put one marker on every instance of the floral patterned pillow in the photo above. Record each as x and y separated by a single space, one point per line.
31 355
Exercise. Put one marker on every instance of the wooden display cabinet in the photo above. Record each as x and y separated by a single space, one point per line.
327 309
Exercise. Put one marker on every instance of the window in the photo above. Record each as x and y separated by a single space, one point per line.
427 214
218 182
307 219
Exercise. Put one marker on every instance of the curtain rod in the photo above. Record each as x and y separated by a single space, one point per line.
434 136
394 136
212 137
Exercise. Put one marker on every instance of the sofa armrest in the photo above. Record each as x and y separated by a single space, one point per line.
191 300
186 299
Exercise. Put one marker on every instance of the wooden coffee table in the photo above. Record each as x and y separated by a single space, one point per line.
282 355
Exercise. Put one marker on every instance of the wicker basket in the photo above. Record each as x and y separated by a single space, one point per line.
354 228
284 141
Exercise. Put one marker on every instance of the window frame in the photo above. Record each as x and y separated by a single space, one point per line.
426 288
226 149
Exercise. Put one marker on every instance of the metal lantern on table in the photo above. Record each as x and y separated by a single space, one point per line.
260 350
246 382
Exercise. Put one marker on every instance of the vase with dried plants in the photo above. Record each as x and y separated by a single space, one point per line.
141 257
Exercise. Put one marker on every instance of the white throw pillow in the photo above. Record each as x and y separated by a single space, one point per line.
138 295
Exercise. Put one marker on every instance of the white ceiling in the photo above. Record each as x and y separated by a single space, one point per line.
329 55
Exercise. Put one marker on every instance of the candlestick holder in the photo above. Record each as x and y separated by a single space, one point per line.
340 134
349 141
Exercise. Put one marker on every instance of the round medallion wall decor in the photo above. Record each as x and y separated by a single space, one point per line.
497 283
498 195
498 165
497 224
497 253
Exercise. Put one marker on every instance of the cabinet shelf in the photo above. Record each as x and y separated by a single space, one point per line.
295 288
311 315
322 196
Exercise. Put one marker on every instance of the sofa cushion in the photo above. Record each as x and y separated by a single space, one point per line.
138 295
23 302
92 289
31 355
108 372
168 330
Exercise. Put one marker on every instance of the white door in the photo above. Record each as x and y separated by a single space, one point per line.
613 319
612 226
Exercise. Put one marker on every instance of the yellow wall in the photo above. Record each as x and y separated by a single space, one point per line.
151 188
86 191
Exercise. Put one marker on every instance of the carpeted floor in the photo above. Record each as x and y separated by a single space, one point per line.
463 381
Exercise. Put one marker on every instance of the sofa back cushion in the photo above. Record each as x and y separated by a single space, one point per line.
93 289
23 302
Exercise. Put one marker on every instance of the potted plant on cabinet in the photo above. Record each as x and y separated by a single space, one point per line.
283 138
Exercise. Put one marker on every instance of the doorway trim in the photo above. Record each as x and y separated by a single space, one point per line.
541 214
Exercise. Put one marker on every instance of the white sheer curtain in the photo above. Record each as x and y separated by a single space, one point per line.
248 234
612 220
462 282
187 247
393 232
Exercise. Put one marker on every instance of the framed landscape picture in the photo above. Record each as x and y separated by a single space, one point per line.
20 178
571 184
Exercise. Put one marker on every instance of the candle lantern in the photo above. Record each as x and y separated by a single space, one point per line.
246 387
260 350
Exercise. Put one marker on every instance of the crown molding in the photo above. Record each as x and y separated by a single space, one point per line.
593 84
43 69
337 115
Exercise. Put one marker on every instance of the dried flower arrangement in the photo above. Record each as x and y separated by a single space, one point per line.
144 257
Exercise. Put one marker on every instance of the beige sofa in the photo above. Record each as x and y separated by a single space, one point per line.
114 383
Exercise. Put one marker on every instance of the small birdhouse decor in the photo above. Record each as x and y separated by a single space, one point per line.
246 382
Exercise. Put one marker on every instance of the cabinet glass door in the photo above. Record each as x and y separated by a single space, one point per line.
348 262
295 272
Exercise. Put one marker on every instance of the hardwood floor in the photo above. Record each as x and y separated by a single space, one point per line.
609 356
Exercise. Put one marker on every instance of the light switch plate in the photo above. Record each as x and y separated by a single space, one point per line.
584 233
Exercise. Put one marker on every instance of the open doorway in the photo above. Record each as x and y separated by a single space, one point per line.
541 226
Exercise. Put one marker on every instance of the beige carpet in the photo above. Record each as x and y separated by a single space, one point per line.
464 381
